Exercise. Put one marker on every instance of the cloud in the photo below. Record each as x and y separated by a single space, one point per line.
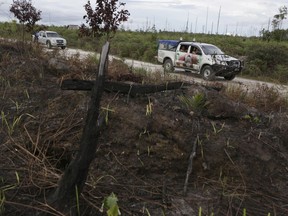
167 14
160 4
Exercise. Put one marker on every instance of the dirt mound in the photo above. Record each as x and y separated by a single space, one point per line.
144 149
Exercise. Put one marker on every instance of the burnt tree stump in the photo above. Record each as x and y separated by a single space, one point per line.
75 175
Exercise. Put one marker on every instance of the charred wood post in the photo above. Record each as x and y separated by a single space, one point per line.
75 175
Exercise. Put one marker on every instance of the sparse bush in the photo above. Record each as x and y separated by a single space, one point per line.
262 97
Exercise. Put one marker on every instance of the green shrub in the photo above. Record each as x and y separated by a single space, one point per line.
264 60
272 54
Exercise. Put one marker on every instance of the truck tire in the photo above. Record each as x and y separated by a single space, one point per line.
48 44
208 73
230 77
168 66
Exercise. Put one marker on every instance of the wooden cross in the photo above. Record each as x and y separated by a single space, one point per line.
74 177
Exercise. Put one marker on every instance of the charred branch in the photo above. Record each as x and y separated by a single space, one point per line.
132 89
75 175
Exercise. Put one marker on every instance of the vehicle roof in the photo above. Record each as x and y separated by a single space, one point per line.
48 31
195 43
176 42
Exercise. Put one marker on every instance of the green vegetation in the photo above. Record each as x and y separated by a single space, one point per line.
196 103
110 205
5 188
264 59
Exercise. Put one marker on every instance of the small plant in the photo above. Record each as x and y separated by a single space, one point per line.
10 126
4 189
77 199
147 211
107 110
217 130
201 146
17 105
200 211
244 212
27 94
145 132
250 118
196 103
110 203
149 108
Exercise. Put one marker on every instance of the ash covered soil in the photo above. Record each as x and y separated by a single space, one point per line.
240 160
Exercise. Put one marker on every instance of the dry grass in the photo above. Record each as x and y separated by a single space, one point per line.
262 97
47 136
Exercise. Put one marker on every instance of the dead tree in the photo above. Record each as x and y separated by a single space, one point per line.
75 175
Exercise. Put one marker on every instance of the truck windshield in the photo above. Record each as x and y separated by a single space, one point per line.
211 50
52 34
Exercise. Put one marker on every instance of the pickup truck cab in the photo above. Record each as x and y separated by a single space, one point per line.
50 39
202 58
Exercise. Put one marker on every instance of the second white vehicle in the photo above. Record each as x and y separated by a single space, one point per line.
50 39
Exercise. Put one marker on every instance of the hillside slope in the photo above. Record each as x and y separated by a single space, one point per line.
143 156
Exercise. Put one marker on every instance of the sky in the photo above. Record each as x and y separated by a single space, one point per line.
241 17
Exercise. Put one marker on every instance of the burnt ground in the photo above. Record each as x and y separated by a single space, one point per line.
241 152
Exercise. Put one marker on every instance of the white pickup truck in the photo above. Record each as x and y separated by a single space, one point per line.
50 39
202 58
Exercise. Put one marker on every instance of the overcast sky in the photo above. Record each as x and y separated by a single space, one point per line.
242 17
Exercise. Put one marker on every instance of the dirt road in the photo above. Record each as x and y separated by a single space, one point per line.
189 77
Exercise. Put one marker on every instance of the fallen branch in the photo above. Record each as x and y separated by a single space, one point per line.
122 87
190 164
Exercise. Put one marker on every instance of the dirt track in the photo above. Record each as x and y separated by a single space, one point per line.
188 77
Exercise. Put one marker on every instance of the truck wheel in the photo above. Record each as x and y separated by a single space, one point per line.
208 73
168 66
48 44
230 77
63 47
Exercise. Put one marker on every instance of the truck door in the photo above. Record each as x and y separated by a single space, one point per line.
196 57
40 37
180 55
